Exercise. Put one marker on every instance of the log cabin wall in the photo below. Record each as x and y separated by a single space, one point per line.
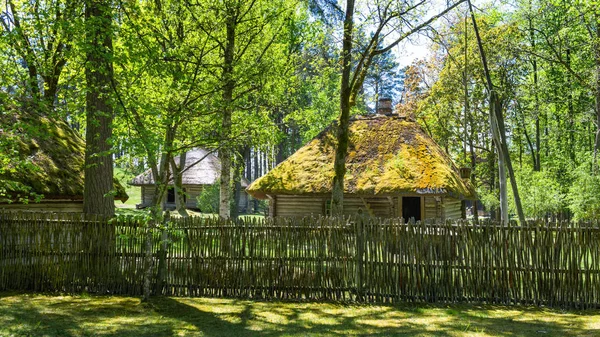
295 205
384 207
452 209
300 205
192 192
433 207
191 202
67 206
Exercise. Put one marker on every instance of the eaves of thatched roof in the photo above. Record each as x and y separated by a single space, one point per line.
201 168
54 157
387 155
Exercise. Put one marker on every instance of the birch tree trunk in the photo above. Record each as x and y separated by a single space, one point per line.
228 87
178 183
597 87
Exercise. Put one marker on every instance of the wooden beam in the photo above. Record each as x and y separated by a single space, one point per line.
422 208
272 205
400 207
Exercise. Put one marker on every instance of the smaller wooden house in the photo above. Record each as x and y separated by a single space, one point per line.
202 169
393 169
45 164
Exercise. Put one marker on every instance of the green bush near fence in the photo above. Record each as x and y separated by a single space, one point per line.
361 259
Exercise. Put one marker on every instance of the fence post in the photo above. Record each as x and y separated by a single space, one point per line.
162 256
360 250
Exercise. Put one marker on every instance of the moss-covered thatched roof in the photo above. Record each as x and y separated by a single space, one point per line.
44 157
387 155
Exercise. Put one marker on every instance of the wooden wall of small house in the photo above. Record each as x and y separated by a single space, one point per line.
441 207
452 208
67 206
243 202
192 193
435 207
384 207
147 194
297 205
191 201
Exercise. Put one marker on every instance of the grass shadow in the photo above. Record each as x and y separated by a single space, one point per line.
33 315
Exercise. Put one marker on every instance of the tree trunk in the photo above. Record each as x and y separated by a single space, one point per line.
537 164
473 180
255 176
492 160
499 135
98 183
571 110
501 164
237 194
499 123
178 183
246 168
536 153
597 61
228 87
339 165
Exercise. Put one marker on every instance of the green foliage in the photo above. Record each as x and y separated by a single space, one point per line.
540 192
208 199
488 198
584 194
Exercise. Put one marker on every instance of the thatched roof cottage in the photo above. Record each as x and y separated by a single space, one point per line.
45 169
202 168
394 169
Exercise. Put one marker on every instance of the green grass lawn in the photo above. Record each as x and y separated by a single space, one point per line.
134 192
39 315
120 210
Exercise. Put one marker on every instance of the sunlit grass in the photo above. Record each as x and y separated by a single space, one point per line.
126 316
134 192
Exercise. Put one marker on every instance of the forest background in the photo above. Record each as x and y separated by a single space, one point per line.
253 80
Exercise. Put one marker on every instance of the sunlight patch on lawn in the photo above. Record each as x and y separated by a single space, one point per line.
164 316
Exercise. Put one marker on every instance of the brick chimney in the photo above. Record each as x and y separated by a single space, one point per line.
384 106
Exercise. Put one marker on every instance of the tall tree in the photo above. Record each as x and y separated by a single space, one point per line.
389 17
41 34
98 183
246 35
499 135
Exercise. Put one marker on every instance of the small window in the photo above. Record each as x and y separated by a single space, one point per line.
171 195
328 207
411 208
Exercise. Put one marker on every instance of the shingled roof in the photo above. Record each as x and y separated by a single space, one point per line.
46 158
201 168
387 155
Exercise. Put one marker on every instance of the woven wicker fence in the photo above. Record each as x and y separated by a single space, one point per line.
362 259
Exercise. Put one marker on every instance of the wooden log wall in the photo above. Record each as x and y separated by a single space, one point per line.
435 207
67 206
192 192
347 259
290 205
452 208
